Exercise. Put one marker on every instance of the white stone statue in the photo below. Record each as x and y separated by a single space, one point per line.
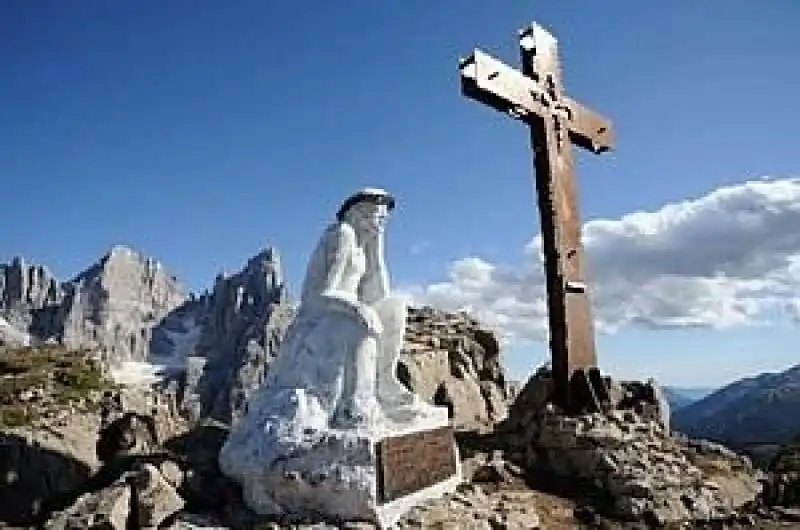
307 441
344 345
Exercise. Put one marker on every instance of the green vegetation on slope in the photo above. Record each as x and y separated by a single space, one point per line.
36 380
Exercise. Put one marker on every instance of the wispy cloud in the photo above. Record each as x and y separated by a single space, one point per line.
419 247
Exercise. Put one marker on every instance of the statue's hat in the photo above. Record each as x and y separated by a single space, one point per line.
374 195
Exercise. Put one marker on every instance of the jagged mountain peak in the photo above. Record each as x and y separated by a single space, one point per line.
25 284
267 260
123 255
269 257
268 263
260 280
246 315
124 252
20 263
116 302
125 260
126 296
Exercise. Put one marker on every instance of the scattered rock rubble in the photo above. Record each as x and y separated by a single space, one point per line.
526 465
141 498
627 458
177 485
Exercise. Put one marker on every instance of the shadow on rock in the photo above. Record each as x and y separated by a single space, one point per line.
471 443
200 445
205 488
36 480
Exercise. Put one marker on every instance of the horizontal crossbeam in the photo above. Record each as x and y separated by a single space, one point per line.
490 81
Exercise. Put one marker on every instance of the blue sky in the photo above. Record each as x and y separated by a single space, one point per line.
201 131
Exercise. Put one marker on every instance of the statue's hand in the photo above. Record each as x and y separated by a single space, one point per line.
349 304
370 319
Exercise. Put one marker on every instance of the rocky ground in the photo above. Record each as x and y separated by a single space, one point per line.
142 483
451 360
78 451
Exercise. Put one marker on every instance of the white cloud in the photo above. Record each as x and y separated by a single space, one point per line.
729 258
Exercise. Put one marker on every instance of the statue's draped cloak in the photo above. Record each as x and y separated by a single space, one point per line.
314 352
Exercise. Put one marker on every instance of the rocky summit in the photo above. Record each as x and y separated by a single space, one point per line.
118 388
450 359
628 457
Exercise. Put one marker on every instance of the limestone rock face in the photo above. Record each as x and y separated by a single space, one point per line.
27 285
139 498
156 497
38 468
214 348
29 298
113 306
245 318
129 434
116 303
449 359
106 508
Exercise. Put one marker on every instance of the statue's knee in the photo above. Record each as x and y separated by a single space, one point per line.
396 302
367 349
392 309
351 326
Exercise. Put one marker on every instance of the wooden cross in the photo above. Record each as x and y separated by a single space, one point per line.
535 96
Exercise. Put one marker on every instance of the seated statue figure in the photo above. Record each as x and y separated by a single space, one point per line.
342 349
308 443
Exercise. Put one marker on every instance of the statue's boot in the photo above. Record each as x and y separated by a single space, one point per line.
358 405
391 392
397 402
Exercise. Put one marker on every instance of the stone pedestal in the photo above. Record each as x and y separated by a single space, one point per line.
297 470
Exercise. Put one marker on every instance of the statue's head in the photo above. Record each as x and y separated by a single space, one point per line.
367 209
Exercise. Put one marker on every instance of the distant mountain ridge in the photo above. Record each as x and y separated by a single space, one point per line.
754 410
127 307
113 305
679 396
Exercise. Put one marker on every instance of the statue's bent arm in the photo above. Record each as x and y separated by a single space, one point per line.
340 239
375 284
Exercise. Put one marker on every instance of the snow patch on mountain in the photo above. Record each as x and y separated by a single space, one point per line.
11 336
158 367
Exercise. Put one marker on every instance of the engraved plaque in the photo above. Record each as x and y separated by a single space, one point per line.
415 461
